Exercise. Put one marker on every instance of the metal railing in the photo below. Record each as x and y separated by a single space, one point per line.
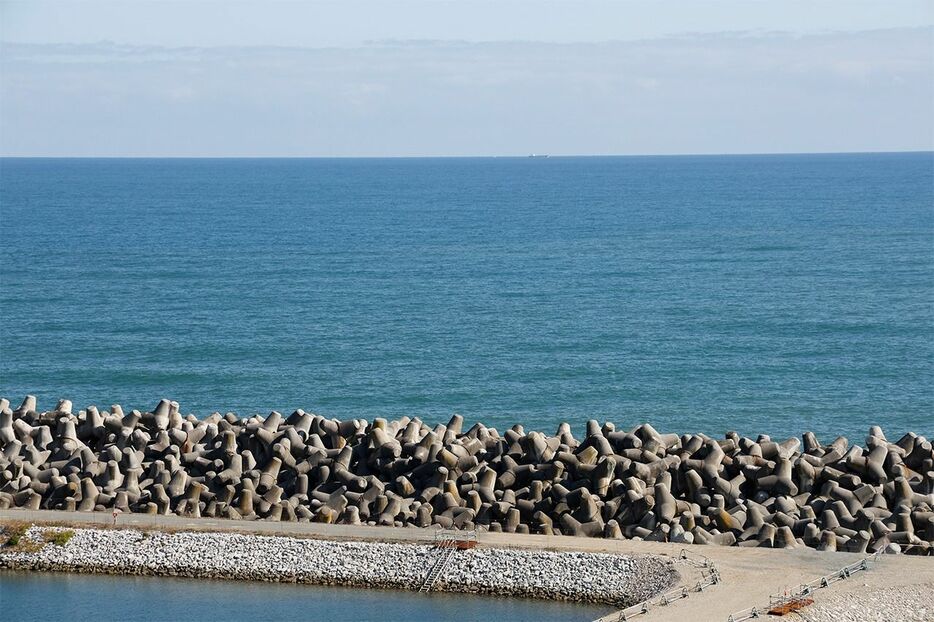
709 576
455 535
699 561
438 567
447 541
805 589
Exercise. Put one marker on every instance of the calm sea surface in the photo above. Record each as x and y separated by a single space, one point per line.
29 597
767 294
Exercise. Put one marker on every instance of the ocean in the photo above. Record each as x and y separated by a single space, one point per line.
764 294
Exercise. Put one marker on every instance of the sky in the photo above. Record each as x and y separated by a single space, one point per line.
426 78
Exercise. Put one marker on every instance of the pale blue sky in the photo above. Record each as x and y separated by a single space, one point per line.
352 22
464 78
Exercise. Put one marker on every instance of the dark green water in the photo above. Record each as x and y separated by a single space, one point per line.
31 597
767 294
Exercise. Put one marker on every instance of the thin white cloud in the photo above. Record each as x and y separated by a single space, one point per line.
705 93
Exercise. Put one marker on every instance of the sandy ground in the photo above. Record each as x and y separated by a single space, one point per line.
858 601
749 575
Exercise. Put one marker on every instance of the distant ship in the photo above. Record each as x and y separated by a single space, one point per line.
538 155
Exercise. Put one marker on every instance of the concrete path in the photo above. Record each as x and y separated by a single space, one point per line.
749 575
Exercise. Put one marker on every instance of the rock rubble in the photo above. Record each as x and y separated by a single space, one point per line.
913 603
638 484
592 577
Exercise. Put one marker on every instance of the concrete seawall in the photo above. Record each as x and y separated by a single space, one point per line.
638 484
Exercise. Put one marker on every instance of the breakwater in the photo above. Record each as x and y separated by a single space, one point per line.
617 484
616 580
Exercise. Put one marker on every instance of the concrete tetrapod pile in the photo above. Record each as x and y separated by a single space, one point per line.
615 484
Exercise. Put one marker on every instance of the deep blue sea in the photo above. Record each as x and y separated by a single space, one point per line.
771 294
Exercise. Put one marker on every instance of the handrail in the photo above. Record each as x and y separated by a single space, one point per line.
438 567
704 561
456 535
776 600
666 598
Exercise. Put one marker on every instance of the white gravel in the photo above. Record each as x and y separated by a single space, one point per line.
591 577
913 603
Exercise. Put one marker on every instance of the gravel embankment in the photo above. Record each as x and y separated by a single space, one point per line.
589 577
912 603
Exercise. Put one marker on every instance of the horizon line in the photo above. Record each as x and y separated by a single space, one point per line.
459 157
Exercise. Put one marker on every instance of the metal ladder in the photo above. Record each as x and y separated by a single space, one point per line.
448 548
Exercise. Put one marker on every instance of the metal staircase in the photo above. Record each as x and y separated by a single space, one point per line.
447 548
